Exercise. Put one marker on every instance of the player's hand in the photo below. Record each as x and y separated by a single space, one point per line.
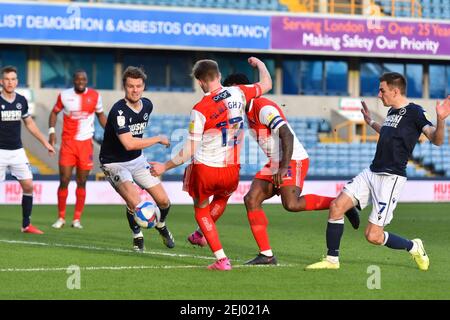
157 168
278 177
443 108
50 149
52 139
254 62
365 111
164 141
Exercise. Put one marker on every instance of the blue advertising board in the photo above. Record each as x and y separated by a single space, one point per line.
113 25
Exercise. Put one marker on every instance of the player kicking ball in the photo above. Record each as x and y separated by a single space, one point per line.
283 175
121 155
381 184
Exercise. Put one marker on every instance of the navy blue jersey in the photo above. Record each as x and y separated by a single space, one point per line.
398 136
123 119
11 114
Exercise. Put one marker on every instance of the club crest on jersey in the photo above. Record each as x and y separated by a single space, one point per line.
221 96
3 107
120 121
402 111
145 116
18 106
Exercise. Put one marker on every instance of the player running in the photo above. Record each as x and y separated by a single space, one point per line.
382 183
121 155
214 138
14 107
79 104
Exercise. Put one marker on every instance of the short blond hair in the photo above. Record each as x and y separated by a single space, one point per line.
206 70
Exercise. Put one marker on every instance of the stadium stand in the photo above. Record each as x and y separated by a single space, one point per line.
326 159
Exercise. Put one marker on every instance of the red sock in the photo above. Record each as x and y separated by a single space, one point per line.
258 223
208 227
217 207
62 199
79 203
315 202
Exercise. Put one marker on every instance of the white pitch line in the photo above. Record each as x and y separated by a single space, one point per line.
119 268
105 249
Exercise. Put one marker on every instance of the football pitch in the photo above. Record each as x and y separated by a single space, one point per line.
36 266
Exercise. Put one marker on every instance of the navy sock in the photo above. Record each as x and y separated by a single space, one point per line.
27 206
133 225
164 213
396 242
334 235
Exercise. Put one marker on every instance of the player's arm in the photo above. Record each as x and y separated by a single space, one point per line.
265 80
101 118
287 147
436 134
52 120
368 119
34 130
99 112
131 143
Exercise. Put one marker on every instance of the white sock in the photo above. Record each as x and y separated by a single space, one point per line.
160 224
137 235
220 254
414 248
333 259
267 253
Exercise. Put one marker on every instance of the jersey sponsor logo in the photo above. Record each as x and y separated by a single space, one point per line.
18 106
392 120
79 115
11 115
121 121
137 128
221 96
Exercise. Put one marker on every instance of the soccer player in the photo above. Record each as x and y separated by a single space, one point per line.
121 155
215 134
79 105
382 183
14 108
283 175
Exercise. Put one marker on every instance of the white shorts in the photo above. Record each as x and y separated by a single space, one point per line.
136 170
17 162
380 188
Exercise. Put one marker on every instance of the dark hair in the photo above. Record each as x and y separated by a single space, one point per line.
77 72
134 73
395 79
235 79
8 69
206 70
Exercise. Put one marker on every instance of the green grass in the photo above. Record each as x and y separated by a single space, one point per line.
296 238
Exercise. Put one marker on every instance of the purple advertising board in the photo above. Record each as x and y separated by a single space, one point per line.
373 36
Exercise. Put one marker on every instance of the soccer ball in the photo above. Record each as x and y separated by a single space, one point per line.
147 215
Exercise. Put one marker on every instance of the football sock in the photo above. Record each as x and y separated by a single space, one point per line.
395 242
208 227
217 207
79 203
27 206
62 198
133 225
335 229
219 254
164 213
258 224
315 202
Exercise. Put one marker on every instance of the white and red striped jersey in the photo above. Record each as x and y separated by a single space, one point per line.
265 118
79 112
218 121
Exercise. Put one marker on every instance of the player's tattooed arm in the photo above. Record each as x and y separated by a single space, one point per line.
368 118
